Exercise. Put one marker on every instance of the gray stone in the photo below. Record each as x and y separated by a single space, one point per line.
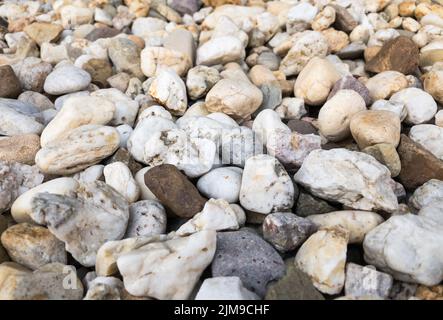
350 83
285 231
366 281
125 55
308 205
185 6
249 257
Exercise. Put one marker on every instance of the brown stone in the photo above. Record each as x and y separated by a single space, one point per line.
21 148
100 33
174 190
100 71
217 3
42 32
344 21
123 155
301 126
430 293
9 84
400 54
417 164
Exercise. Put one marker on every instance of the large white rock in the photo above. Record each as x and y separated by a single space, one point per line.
194 156
322 257
125 109
153 59
352 178
78 149
420 105
358 223
118 176
429 192
408 247
170 269
224 288
142 133
430 137
84 223
78 111
168 89
217 215
220 50
266 122
22 206
266 186
221 183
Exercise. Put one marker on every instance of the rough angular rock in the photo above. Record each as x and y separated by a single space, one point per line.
54 281
118 176
10 86
146 218
352 178
420 105
364 281
237 98
418 165
322 257
170 269
174 190
357 223
266 186
343 19
428 136
217 215
308 205
400 54
200 80
408 247
75 221
429 192
286 231
43 32
21 148
125 56
294 285
33 246
224 288
78 149
246 255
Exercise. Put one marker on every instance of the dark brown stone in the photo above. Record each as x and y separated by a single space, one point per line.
100 71
174 190
417 164
344 21
99 33
350 83
302 127
400 54
9 84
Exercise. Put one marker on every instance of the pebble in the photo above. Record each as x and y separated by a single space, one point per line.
286 231
429 192
385 84
364 281
42 32
432 83
32 73
419 104
374 127
308 205
45 283
429 137
357 223
291 109
266 186
224 288
146 218
33 246
118 176
95 204
220 50
147 270
66 79
245 255
335 116
78 149
174 190
384 247
236 98
397 107
200 80
10 86
19 118
153 59
20 148
126 109
350 83
221 183
125 56
418 165
332 175
315 81
217 215
386 154
400 54
322 257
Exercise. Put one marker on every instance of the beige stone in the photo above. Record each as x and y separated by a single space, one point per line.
21 148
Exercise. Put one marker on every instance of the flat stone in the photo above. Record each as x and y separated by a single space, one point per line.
302 127
417 164
174 190
10 86
400 54
43 32
101 33
245 255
